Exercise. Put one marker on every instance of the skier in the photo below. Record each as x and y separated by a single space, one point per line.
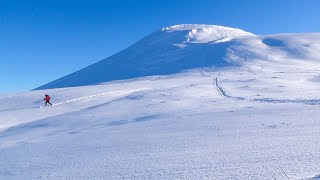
47 99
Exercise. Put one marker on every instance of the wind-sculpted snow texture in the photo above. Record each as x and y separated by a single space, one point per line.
221 104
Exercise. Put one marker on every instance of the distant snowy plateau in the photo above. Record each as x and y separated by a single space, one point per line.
186 102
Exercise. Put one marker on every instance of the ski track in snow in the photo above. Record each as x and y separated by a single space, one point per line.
265 100
82 98
97 95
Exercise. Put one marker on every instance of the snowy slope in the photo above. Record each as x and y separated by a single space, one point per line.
249 112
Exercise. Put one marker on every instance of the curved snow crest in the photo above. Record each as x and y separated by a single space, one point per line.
202 33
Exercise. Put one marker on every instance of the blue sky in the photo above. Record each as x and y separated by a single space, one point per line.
42 40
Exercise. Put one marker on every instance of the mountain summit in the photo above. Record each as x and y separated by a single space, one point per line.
201 33
169 50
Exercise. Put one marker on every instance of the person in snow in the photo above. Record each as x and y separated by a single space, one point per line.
47 99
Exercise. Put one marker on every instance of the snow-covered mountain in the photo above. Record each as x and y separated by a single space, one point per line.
194 102
167 51
183 47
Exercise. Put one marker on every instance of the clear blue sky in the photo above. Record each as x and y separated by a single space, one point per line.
42 40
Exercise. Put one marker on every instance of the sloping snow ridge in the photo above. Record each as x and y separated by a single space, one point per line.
186 102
